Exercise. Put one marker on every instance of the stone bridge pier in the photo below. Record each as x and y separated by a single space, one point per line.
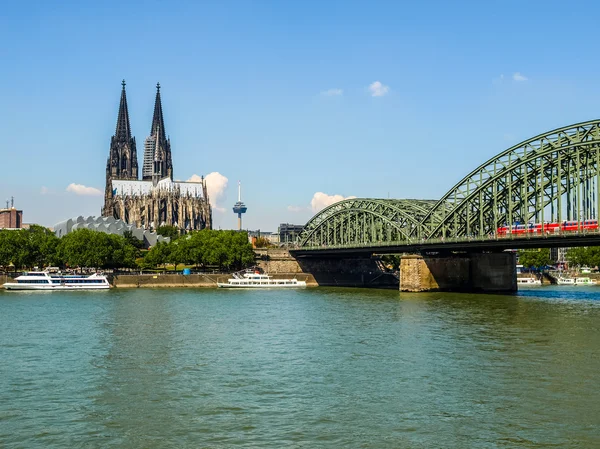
471 272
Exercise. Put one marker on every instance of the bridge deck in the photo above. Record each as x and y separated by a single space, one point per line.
472 244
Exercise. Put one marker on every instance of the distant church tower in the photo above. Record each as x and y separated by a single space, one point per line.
158 163
122 160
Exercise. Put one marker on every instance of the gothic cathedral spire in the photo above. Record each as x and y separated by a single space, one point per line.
122 160
158 163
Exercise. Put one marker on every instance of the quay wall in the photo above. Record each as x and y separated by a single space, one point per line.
276 260
192 280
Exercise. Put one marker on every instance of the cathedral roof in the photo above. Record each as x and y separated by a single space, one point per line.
137 188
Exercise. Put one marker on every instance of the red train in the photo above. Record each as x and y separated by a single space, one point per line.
548 228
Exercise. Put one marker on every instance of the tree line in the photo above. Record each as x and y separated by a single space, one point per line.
223 249
39 247
581 256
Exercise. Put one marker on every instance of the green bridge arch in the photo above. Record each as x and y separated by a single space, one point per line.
551 177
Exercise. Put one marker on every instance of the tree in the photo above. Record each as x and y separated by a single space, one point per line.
535 258
86 248
158 255
168 231
8 247
584 256
132 240
43 246
180 251
226 249
262 242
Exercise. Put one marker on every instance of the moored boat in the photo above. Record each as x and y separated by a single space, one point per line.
43 280
565 281
530 281
257 280
581 281
584 281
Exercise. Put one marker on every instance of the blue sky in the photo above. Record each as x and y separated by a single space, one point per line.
278 94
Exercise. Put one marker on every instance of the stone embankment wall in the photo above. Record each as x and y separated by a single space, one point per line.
278 260
192 280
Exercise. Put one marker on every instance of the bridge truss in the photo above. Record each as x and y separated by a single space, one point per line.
552 177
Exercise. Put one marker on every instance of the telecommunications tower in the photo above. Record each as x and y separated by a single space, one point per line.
239 208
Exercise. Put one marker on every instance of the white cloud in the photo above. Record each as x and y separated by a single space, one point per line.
195 178
44 190
321 200
518 77
216 184
378 89
294 208
332 92
80 189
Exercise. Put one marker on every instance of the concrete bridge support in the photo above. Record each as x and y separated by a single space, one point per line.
475 272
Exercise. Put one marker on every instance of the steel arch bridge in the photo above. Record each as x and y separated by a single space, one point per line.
551 177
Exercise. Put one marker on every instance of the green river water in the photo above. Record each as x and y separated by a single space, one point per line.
313 368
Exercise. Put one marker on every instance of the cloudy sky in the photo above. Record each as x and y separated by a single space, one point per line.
305 102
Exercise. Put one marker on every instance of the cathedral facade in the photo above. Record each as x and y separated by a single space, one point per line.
156 199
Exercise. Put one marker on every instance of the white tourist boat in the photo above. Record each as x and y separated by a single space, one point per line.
257 280
42 280
565 281
530 281
584 281
575 281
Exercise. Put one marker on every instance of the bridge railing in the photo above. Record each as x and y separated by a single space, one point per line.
446 240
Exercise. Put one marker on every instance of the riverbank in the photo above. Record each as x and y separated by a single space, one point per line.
179 280
192 280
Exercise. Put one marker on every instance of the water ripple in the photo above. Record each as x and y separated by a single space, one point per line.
319 368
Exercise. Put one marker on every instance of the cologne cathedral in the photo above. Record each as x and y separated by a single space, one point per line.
156 199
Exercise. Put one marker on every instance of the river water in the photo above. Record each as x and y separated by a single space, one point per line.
314 368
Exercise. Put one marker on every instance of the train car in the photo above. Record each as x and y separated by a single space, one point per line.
572 225
548 228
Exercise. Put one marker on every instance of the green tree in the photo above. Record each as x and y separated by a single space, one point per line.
535 258
87 248
225 249
159 254
180 251
168 231
197 246
584 256
577 256
132 240
8 248
42 245
594 256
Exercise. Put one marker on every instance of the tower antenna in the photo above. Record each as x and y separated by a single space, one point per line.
239 208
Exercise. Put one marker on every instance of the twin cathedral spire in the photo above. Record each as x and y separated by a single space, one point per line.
122 162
